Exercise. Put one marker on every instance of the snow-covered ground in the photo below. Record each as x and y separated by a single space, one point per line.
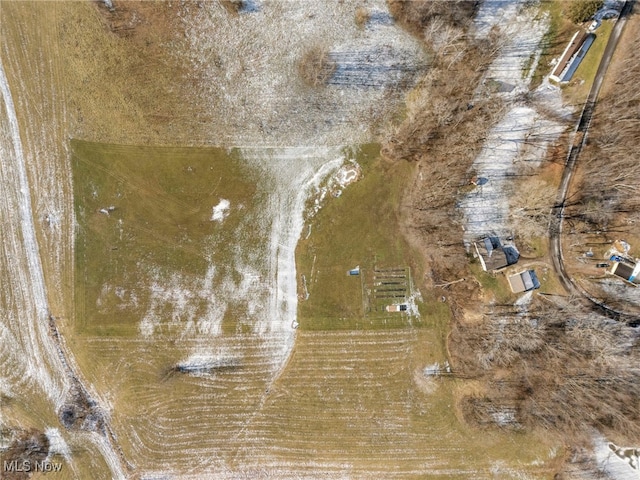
615 462
248 66
25 319
520 139
291 187
27 345
521 30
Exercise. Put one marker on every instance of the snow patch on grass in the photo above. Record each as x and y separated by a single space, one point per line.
521 30
257 287
176 302
492 14
290 189
206 364
57 444
221 210
247 67
336 183
486 208
520 140
27 315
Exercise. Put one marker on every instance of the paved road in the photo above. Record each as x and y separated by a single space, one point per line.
579 139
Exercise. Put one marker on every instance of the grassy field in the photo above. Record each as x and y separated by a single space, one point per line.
359 228
352 398
145 214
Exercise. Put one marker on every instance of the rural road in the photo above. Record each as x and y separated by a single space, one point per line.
579 139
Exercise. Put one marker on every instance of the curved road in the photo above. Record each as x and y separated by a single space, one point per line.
579 139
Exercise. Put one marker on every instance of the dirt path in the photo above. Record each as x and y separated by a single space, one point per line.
580 132
25 277
35 188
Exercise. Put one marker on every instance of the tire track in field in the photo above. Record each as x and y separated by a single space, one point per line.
35 342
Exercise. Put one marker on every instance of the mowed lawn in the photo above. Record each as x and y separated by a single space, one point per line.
352 400
360 228
146 213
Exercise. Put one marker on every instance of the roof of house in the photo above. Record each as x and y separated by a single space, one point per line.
575 62
622 270
494 256
572 47
524 281
627 270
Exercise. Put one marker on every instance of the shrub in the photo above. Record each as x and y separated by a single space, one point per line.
316 66
362 16
579 11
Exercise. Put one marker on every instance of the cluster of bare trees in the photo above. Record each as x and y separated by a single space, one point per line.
552 366
445 120
316 66
418 15
444 128
530 207
608 197
548 365
29 446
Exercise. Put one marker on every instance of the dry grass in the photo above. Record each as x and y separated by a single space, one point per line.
233 7
362 16
348 397
316 66
349 402
160 223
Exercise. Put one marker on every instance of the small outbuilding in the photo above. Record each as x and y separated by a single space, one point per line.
494 255
524 281
572 56
354 271
397 307
626 269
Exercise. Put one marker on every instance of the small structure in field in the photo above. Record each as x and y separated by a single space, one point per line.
626 269
354 271
524 281
397 307
494 255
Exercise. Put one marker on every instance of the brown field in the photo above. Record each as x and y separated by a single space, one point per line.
352 399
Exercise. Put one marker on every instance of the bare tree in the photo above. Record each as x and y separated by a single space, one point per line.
556 368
